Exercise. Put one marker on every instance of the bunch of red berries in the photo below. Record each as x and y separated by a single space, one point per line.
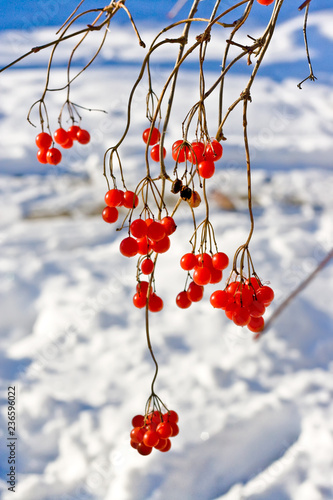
147 236
154 431
116 198
65 138
244 302
202 155
153 141
206 269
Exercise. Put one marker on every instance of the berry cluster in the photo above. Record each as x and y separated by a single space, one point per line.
153 141
244 302
65 139
116 198
200 154
154 430
206 269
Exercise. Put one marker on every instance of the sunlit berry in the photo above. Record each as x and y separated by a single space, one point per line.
110 214
53 156
43 140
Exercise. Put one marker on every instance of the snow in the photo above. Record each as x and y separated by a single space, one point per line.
256 418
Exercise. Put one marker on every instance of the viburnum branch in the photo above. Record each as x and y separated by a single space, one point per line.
311 75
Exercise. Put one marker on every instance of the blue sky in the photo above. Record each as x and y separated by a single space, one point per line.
29 14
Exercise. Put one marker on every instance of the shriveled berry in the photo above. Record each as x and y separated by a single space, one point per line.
186 193
176 186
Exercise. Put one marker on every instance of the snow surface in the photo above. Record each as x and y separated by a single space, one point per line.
256 418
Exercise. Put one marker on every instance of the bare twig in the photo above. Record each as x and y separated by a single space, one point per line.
311 75
298 290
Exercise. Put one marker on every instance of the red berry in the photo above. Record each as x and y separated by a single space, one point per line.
179 151
134 445
188 261
169 225
206 169
254 283
201 275
257 309
137 434
68 144
244 296
230 309
72 132
43 140
139 300
220 261
143 449
53 156
161 246
138 421
171 416
204 259
110 214
155 136
156 231
144 246
151 438
130 199
41 155
128 247
233 287
256 324
142 287
219 299
83 136
161 444
175 428
241 316
164 430
195 155
60 136
216 276
265 2
195 292
155 303
166 447
183 301
138 228
213 151
114 198
155 153
265 295
147 266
